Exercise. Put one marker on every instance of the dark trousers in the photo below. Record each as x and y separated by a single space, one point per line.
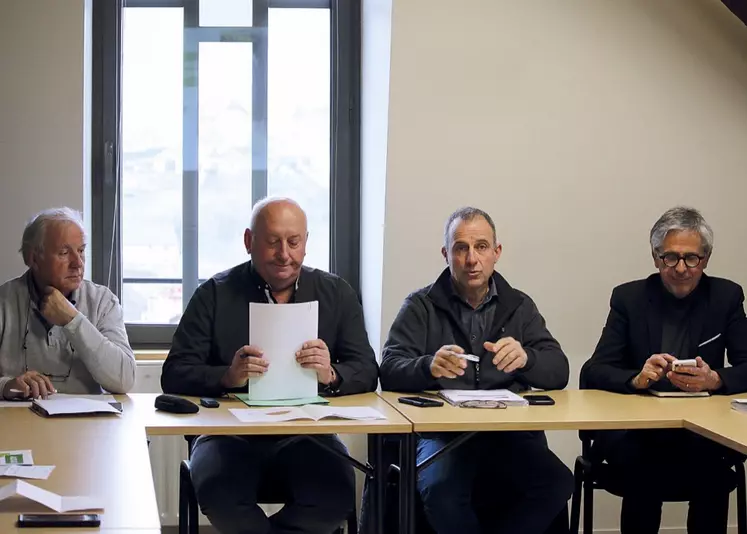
523 486
648 467
230 474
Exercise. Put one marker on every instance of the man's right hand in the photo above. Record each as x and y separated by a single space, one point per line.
247 362
446 363
654 369
31 384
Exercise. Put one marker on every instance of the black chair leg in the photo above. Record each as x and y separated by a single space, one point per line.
741 499
185 484
588 503
578 481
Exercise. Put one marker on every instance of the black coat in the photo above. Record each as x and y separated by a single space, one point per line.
425 323
216 324
634 326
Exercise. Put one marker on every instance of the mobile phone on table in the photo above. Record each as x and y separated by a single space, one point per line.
58 520
421 402
209 403
539 400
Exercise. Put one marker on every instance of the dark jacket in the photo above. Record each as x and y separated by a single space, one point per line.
634 327
216 324
425 323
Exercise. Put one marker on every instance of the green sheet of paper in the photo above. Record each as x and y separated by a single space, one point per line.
244 397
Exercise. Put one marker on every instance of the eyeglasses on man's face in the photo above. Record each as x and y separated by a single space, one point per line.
672 259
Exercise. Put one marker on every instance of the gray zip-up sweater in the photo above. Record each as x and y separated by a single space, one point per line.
88 354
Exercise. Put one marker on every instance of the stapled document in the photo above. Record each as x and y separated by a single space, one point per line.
310 412
55 502
16 457
39 472
280 331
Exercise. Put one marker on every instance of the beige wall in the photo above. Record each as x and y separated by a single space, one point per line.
42 142
575 124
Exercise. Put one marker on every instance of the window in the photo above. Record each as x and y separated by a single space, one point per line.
201 108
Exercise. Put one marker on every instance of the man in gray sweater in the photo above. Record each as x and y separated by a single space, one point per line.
58 332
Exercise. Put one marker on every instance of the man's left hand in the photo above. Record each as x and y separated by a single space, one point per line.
509 354
315 355
55 308
699 378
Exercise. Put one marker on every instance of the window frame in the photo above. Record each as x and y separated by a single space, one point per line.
106 161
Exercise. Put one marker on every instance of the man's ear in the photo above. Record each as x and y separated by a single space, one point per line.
705 261
498 250
445 254
248 240
655 258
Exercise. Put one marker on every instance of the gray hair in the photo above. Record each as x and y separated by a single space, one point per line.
263 203
36 229
467 214
678 219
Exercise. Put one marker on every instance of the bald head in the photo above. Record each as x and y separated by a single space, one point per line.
272 207
276 240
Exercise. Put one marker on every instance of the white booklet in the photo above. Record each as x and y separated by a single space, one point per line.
313 412
739 405
58 503
40 472
280 330
456 397
72 406
657 393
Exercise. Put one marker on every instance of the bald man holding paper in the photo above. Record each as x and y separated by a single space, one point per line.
211 355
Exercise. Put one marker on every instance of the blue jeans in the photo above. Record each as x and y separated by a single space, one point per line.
231 474
502 482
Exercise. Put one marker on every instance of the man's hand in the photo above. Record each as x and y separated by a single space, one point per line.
653 370
315 355
509 354
247 362
55 308
31 385
446 363
700 378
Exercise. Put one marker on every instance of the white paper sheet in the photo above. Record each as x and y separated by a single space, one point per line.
75 405
455 396
57 396
39 472
16 457
308 412
51 500
280 330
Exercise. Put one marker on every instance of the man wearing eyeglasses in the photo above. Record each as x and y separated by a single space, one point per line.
59 332
678 313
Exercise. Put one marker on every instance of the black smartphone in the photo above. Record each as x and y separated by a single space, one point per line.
58 520
209 403
539 400
421 402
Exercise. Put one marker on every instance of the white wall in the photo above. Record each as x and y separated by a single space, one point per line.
575 124
43 162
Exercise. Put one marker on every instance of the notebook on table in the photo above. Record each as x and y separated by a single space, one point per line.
458 397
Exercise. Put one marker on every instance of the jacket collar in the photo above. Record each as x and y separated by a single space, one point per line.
255 280
657 293
508 298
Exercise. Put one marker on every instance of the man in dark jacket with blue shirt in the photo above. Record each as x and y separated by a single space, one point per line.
471 308
210 355
678 313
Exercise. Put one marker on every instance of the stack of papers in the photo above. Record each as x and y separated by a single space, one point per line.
739 405
21 403
72 406
20 464
311 412
456 397
281 331
51 500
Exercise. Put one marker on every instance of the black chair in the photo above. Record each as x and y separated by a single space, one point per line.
591 473
189 508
